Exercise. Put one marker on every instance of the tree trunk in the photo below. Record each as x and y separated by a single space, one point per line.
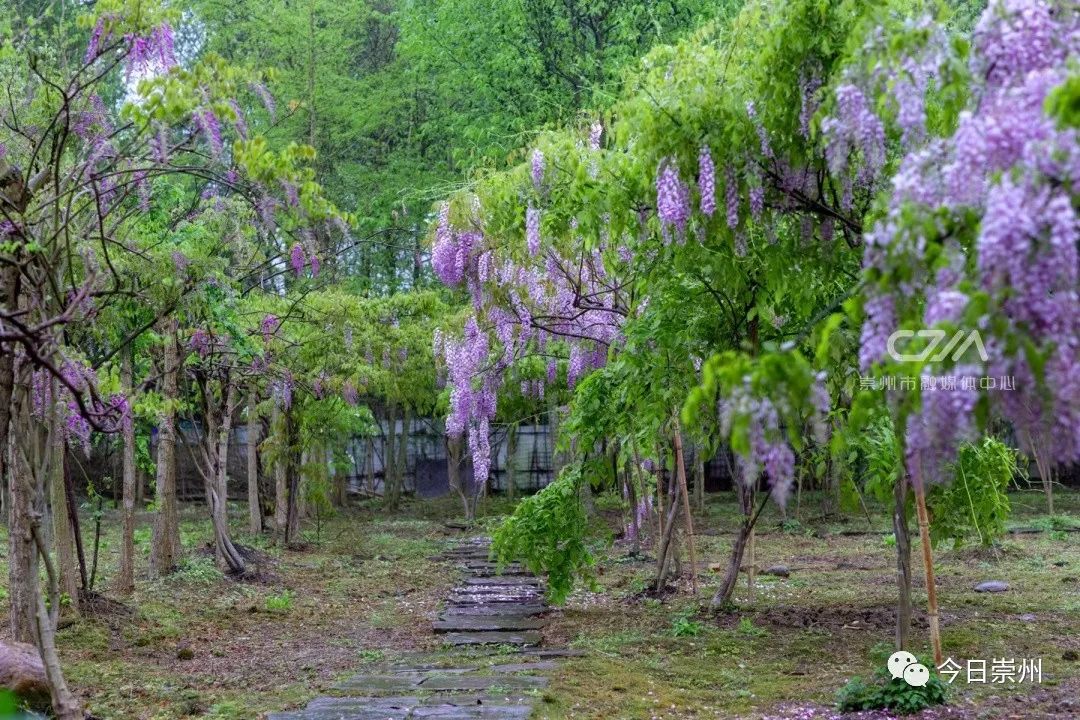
253 425
337 480
281 471
1044 469
166 547
292 513
667 539
9 290
64 704
553 435
63 536
125 582
403 453
371 465
229 558
390 460
7 387
22 557
746 504
903 564
587 500
453 473
511 466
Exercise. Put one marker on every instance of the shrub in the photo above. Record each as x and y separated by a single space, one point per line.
884 692
279 603
683 626
198 571
975 504
547 533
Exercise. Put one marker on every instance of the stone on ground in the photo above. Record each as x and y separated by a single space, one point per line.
992 586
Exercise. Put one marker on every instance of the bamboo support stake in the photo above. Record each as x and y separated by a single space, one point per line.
928 567
681 470
751 567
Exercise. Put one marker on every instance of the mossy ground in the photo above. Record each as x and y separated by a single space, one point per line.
363 591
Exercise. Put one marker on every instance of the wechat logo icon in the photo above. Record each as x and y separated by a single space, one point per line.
904 665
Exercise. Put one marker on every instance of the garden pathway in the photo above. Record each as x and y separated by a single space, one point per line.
494 667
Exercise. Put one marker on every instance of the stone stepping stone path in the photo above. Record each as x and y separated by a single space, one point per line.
501 610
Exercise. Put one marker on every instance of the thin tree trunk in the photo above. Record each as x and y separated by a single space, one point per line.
292 472
390 460
681 470
511 465
166 548
587 499
9 291
1045 472
633 527
738 549
281 472
22 556
453 474
64 704
253 426
63 537
751 565
7 387
371 465
337 480
553 434
928 569
903 564
218 484
667 539
125 581
403 453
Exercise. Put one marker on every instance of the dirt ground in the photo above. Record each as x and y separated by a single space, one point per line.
363 590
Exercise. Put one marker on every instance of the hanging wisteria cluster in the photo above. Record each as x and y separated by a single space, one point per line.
79 382
549 299
767 453
1015 170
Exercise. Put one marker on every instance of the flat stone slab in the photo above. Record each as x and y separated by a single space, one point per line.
462 623
541 666
553 652
353 708
479 566
442 683
504 580
488 588
442 707
400 682
472 712
503 608
483 598
493 637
